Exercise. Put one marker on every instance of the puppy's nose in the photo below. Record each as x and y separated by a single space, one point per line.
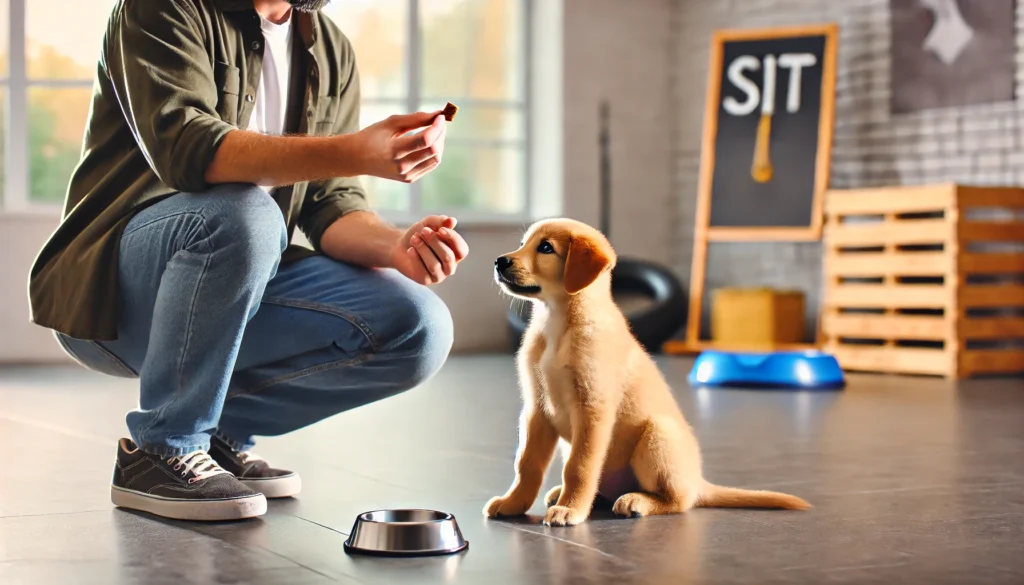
502 263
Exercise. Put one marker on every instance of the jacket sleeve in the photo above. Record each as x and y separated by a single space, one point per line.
164 82
327 201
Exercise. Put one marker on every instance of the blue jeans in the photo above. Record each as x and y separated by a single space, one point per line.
226 340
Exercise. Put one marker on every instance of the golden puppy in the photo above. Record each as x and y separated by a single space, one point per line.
586 380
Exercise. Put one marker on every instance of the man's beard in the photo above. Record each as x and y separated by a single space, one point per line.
308 5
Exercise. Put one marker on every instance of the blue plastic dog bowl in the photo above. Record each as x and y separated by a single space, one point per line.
781 370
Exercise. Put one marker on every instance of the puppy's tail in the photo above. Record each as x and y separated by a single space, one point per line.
716 496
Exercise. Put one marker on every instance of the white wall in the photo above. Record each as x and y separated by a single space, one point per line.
610 49
622 52
21 237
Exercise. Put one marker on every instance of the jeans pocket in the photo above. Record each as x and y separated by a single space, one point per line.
92 355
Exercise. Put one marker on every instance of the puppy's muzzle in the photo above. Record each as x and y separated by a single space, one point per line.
502 264
505 274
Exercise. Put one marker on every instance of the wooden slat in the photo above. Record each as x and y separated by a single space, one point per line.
1012 197
991 295
988 361
889 200
983 263
893 360
729 234
887 263
991 327
886 326
889 296
991 231
921 231
679 347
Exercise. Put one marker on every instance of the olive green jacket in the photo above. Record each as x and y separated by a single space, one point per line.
174 77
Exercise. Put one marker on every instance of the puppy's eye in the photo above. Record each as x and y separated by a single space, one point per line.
545 247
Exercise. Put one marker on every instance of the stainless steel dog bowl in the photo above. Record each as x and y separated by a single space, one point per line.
405 533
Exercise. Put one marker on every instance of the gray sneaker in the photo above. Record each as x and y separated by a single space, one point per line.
186 487
254 472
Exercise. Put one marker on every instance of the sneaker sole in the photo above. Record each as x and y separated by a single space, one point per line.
277 487
202 510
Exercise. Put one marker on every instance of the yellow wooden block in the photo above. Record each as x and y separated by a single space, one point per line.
757 316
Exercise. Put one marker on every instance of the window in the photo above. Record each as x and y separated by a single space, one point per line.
412 55
418 54
47 59
5 19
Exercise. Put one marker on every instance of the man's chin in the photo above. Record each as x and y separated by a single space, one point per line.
308 5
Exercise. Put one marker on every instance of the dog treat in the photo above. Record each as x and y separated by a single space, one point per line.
450 110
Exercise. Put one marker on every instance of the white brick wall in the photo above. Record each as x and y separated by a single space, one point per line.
975 144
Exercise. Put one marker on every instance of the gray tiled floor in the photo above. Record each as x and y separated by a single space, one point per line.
913 479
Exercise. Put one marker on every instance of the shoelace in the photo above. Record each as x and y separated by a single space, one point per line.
198 462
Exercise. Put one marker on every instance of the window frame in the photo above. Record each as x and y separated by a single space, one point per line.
17 85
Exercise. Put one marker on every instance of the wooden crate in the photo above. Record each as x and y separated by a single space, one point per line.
925 280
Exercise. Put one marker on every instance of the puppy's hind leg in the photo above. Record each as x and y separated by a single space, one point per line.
640 504
659 463
553 494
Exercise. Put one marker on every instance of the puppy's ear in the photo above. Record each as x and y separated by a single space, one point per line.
583 264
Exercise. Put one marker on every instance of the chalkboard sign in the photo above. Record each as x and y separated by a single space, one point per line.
767 143
768 133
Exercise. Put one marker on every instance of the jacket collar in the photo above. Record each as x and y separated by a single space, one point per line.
307 23
233 5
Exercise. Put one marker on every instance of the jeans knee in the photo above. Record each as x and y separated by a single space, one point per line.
247 221
428 333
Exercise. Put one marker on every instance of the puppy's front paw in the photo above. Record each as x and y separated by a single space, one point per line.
504 507
564 516
552 498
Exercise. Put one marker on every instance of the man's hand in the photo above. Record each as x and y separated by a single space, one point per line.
390 152
430 250
385 149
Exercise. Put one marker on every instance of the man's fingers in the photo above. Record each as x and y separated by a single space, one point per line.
421 275
402 123
438 146
436 222
407 165
442 251
454 241
422 169
418 154
403 146
430 261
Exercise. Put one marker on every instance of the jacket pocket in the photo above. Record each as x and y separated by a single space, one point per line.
327 115
228 80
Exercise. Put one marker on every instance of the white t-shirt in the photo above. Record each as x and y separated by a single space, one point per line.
272 94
